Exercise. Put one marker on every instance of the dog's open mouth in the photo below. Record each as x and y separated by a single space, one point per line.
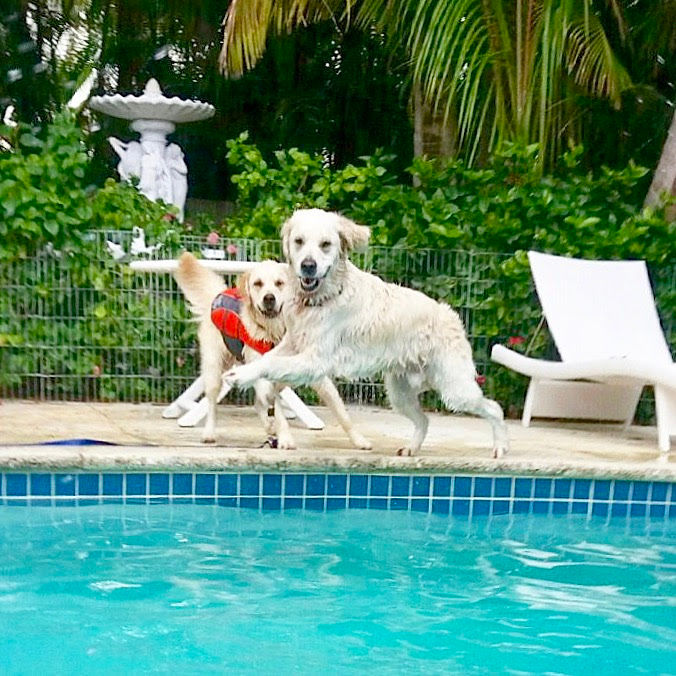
270 313
309 283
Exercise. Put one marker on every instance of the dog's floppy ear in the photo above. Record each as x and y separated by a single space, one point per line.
243 284
352 236
284 234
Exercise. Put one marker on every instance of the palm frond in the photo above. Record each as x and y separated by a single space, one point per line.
498 68
592 62
247 24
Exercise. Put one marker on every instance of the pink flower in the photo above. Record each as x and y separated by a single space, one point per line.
515 340
168 217
96 370
231 249
480 379
213 238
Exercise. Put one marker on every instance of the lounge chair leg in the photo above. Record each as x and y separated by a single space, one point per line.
186 400
665 409
528 403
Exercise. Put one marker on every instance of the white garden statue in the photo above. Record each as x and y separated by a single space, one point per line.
159 166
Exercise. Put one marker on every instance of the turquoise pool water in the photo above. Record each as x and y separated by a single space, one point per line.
206 589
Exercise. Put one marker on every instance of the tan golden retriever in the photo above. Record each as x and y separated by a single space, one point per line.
342 321
262 291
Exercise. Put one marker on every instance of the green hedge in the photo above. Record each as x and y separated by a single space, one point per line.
505 207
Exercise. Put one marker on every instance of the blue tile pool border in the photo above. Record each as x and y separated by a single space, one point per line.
455 495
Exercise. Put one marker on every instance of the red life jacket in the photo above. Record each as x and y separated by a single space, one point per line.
225 314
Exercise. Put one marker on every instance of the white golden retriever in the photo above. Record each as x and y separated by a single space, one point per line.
262 291
346 322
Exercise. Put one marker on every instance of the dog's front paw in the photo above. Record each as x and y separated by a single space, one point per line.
231 377
500 450
241 376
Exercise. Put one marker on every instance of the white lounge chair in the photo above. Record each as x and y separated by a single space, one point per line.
603 319
190 407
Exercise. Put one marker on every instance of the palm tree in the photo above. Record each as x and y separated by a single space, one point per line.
664 178
490 70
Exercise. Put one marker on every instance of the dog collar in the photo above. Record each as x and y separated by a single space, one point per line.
317 302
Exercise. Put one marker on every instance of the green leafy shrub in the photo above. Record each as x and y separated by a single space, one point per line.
91 331
267 195
505 207
120 206
42 189
44 198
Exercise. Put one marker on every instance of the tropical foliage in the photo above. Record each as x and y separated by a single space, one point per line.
46 200
66 306
600 72
505 207
42 197
315 90
523 71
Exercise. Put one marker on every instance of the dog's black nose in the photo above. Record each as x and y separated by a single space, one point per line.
308 267
269 300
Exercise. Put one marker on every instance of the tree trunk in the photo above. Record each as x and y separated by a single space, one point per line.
664 179
433 135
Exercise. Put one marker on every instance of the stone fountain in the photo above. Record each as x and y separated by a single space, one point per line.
159 166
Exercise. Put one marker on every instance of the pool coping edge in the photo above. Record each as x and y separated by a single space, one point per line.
182 459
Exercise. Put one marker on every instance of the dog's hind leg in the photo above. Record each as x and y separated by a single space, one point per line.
455 382
214 358
284 437
263 402
211 368
329 395
492 411
404 399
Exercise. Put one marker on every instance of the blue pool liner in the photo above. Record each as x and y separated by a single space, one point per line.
455 495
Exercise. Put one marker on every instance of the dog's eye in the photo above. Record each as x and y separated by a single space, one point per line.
258 283
279 283
298 241
325 245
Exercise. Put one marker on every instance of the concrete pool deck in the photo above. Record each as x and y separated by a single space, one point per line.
455 444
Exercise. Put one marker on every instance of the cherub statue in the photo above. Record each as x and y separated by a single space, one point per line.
161 170
130 157
178 172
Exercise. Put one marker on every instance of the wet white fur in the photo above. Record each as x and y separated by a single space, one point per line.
200 286
356 325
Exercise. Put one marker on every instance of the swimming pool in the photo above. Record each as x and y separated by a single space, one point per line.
196 573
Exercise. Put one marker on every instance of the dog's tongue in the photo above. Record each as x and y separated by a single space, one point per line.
309 283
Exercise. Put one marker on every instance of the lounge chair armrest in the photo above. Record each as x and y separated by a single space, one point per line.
648 373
